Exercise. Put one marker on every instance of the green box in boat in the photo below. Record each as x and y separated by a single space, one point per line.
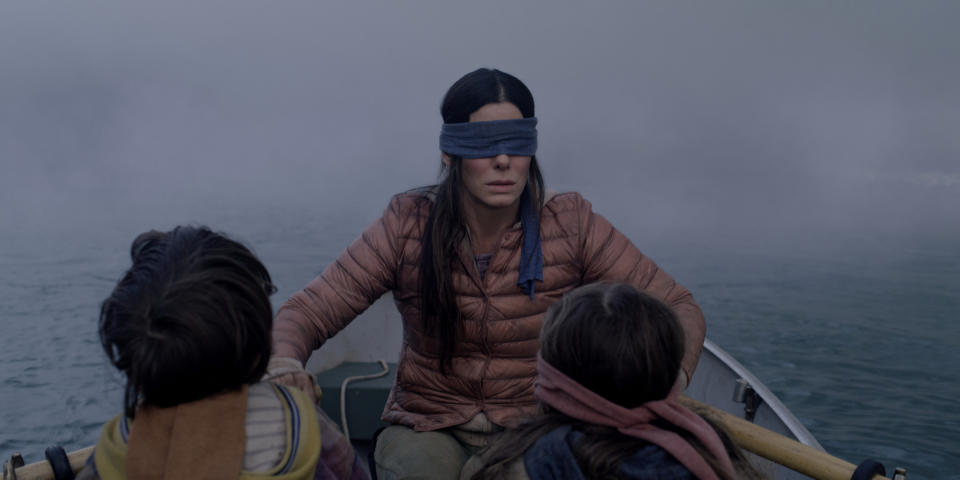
365 398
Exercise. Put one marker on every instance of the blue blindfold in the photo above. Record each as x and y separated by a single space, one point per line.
489 139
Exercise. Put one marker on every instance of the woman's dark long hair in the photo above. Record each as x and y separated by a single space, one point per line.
445 231
189 319
623 345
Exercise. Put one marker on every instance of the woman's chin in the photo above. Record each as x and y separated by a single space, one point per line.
501 202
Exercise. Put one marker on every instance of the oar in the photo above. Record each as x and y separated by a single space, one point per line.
42 470
778 448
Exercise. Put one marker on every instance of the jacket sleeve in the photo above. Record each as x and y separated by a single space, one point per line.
360 275
609 256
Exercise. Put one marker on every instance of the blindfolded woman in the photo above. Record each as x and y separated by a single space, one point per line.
473 264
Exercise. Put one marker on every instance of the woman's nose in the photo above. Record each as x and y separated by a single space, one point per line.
501 161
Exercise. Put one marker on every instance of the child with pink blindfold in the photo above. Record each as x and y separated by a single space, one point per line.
607 381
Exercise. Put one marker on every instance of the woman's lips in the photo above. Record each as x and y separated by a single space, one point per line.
501 186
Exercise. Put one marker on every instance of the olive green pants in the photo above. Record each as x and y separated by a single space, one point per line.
402 453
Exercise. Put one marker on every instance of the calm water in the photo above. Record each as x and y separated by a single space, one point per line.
858 337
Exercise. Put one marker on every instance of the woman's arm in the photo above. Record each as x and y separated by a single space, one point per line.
362 273
609 256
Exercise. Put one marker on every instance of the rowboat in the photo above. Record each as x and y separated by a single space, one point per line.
777 444
355 385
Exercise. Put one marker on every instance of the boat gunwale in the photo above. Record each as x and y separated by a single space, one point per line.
770 399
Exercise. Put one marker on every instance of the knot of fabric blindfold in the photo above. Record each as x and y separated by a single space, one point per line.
489 139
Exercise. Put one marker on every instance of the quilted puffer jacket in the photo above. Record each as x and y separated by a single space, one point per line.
494 364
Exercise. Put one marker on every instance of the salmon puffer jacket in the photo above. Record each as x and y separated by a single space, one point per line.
494 363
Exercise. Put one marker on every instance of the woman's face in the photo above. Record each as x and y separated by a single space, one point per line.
494 183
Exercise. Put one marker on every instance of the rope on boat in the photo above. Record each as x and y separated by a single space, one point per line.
343 393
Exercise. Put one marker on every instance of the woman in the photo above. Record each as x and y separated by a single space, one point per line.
189 326
473 264
607 378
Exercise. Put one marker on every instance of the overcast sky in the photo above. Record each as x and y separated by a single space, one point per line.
702 115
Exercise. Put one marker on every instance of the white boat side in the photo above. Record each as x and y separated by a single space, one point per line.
716 382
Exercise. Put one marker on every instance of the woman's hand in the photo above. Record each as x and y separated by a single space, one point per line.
290 372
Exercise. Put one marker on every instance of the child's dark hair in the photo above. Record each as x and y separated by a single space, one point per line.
190 318
617 341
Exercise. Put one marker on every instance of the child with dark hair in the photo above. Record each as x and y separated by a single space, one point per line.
607 382
189 326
